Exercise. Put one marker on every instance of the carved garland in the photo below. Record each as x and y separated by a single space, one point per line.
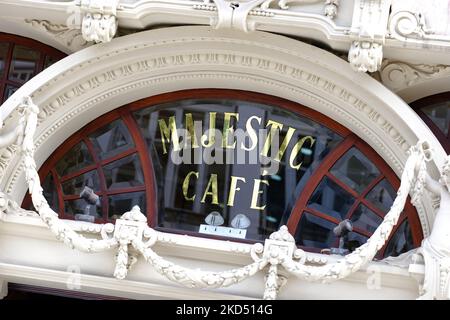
132 231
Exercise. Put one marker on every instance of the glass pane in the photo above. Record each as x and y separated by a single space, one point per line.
355 170
3 56
401 241
84 210
78 184
49 61
124 173
23 64
440 115
121 203
111 139
365 219
315 232
50 192
77 158
245 162
354 240
9 90
331 199
382 196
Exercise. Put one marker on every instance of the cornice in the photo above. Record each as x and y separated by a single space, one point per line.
368 32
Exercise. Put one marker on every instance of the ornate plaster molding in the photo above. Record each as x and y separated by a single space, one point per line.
407 24
369 24
397 75
289 70
70 38
234 14
330 6
99 19
9 206
132 231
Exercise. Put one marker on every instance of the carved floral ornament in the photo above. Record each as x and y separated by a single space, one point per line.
132 237
234 14
99 20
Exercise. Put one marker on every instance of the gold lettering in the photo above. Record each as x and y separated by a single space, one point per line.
190 128
212 131
252 133
212 184
168 132
298 146
274 126
186 185
285 143
256 193
233 189
228 130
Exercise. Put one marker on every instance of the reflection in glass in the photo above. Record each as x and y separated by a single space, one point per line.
76 158
266 197
80 209
331 199
3 55
354 241
9 91
124 173
76 185
121 203
23 64
355 170
50 192
382 195
401 241
111 139
49 61
365 219
315 232
440 115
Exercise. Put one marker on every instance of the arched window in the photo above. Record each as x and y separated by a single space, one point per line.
227 164
435 112
20 60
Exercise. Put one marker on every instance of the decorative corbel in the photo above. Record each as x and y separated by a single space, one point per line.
370 19
99 19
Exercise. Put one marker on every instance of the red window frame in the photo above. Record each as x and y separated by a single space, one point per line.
418 105
43 50
125 113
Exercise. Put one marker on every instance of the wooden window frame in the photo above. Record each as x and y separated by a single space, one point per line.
418 105
13 40
125 113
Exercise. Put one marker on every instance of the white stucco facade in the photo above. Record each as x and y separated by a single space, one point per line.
180 45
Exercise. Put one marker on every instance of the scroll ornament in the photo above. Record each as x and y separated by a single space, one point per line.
132 237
